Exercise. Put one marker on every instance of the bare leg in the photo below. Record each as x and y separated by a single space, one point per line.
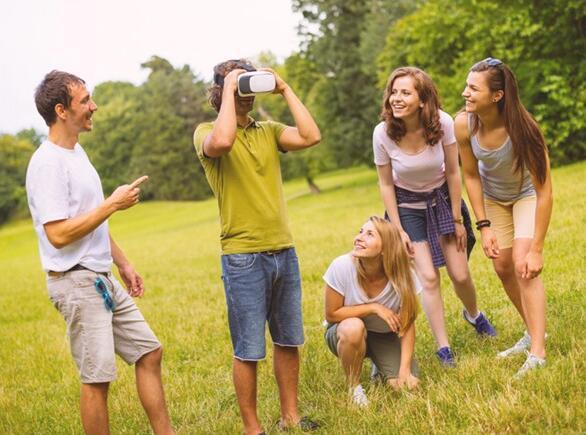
94 408
151 393
457 266
244 377
286 367
352 348
505 269
533 297
433 304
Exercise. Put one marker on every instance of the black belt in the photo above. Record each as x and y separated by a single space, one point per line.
53 273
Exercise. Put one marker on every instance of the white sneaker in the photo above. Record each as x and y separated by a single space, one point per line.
359 397
523 345
520 346
532 362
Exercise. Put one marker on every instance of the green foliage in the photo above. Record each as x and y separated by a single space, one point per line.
543 42
175 247
15 152
148 130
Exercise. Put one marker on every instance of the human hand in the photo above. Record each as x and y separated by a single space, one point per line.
404 380
460 233
407 242
132 280
231 80
127 195
280 85
389 316
531 265
489 243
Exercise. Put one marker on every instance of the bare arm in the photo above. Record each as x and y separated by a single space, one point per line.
132 280
473 184
455 189
533 263
336 311
306 132
66 231
223 135
387 193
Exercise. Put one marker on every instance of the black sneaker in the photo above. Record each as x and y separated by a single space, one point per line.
305 425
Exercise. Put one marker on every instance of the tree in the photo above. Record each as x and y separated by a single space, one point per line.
15 154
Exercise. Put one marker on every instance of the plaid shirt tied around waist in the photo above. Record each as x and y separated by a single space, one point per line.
440 220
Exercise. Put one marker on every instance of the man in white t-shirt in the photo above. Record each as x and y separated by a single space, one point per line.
70 215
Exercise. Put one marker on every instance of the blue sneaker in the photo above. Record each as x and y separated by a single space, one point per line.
481 324
446 357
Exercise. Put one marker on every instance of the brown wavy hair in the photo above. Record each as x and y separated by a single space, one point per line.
397 268
528 142
429 114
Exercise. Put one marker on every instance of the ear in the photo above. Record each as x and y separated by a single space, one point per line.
498 95
60 111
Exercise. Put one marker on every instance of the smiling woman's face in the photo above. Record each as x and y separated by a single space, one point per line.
368 242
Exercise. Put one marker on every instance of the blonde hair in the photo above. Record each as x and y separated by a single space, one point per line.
397 269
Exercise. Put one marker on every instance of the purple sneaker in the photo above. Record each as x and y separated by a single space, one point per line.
446 357
482 325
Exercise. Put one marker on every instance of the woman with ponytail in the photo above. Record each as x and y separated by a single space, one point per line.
371 308
506 172
416 157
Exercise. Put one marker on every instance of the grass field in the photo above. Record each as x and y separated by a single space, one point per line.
175 247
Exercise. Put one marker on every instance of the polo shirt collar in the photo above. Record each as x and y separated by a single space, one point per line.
251 123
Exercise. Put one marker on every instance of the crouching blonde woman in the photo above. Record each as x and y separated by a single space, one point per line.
371 308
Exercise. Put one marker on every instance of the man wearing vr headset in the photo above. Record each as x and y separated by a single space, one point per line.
260 271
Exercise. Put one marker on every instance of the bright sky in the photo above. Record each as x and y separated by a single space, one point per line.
102 40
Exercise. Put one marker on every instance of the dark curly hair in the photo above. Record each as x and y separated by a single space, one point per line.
220 71
429 115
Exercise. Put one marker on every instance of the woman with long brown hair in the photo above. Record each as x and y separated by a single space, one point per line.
506 172
416 156
371 308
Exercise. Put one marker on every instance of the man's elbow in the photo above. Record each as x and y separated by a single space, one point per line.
58 242
313 139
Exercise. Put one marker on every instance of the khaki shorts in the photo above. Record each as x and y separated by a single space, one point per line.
511 219
96 333
384 349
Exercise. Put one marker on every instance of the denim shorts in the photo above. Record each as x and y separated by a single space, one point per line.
414 222
262 287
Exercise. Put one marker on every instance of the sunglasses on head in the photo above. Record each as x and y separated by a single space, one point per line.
491 61
102 289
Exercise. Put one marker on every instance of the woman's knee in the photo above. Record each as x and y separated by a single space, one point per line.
351 331
460 277
430 281
504 269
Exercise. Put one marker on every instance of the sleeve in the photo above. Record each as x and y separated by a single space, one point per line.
381 156
336 275
447 122
277 128
50 193
201 132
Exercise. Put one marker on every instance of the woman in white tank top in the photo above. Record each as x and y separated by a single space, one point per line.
506 172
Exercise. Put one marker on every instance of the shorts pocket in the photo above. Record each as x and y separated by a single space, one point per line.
241 261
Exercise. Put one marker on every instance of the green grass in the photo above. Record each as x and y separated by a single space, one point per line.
175 247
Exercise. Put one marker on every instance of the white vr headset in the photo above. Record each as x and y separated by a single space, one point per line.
255 82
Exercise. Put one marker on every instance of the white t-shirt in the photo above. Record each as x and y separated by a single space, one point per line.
421 172
342 276
61 184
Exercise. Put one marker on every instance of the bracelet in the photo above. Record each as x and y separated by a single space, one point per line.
482 223
458 221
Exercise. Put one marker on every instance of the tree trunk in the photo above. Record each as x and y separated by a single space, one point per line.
312 186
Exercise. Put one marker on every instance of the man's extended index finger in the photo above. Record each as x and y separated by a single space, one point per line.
139 181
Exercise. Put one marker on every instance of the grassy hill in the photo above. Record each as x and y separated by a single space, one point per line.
175 247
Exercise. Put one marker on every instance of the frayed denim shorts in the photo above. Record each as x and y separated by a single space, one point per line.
262 287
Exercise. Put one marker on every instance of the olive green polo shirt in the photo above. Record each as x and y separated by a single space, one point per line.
248 186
